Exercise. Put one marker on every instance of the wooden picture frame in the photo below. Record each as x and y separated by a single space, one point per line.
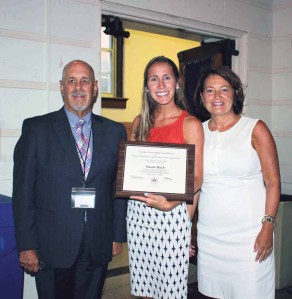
159 168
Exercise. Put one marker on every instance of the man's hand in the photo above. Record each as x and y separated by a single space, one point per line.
29 260
117 248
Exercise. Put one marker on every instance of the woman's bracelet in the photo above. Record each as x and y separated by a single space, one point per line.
269 219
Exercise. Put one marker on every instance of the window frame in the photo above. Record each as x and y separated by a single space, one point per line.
111 50
117 101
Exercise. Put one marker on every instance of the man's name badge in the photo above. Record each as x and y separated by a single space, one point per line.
83 198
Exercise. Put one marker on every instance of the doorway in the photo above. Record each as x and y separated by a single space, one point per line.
165 25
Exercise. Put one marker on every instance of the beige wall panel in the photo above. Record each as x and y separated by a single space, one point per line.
282 86
24 16
260 112
55 101
259 85
61 54
286 178
251 17
22 59
284 146
260 51
283 113
282 53
18 104
81 21
6 156
282 19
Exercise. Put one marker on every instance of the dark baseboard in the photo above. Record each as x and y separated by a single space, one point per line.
117 271
286 197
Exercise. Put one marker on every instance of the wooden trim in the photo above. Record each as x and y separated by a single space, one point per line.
128 126
119 67
114 102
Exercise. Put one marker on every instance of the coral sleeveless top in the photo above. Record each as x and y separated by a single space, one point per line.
172 133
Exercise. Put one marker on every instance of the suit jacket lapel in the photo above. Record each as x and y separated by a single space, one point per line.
64 135
97 146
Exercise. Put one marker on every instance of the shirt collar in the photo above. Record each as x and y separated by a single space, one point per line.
73 118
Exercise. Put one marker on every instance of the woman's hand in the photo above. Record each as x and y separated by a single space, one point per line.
264 242
192 250
157 201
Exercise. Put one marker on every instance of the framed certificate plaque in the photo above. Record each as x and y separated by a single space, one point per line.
161 168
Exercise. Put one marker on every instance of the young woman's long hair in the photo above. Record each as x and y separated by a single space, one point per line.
149 105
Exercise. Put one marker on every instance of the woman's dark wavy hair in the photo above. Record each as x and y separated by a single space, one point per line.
227 74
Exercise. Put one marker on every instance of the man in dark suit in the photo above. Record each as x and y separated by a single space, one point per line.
67 223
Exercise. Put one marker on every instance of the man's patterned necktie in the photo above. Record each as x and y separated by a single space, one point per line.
84 151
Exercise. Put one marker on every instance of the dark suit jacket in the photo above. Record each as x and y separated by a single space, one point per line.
46 167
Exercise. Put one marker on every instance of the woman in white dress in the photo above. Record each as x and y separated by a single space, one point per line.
240 195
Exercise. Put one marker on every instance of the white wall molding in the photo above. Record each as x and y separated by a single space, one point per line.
92 2
33 85
43 38
9 133
282 38
282 70
23 84
259 69
167 20
256 36
22 35
254 3
282 102
259 102
267 70
284 6
268 102
285 134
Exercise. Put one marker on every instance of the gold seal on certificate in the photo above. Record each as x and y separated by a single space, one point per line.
161 168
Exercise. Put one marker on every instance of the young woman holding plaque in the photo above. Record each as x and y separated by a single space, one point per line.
159 230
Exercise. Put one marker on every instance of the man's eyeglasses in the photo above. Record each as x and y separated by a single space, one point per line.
82 81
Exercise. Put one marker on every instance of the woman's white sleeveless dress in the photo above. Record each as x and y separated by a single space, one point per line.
231 206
